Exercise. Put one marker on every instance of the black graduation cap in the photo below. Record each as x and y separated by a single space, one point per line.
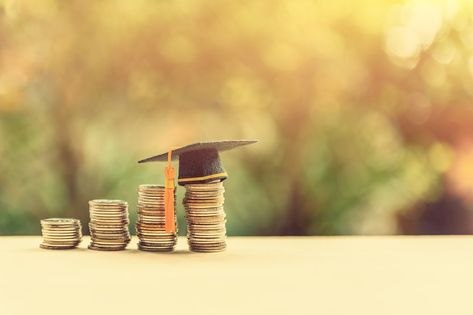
200 162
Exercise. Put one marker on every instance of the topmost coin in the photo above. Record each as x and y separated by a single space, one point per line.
59 221
151 186
106 202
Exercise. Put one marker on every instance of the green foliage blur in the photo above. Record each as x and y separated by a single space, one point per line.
363 109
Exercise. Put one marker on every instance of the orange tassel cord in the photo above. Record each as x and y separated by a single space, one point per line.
169 174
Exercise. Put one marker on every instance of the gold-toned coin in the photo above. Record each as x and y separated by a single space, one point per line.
155 249
106 248
151 186
60 238
60 221
46 246
55 232
108 202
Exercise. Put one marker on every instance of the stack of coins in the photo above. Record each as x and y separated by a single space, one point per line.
205 217
108 224
150 225
60 233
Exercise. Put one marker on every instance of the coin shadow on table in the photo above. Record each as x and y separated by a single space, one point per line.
181 252
174 252
39 249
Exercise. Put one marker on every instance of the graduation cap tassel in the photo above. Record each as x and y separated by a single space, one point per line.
169 174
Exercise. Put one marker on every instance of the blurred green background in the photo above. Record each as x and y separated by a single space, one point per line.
363 109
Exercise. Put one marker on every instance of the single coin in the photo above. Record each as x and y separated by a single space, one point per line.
170 243
111 227
102 248
151 186
61 239
108 202
158 242
60 221
45 246
155 249
61 232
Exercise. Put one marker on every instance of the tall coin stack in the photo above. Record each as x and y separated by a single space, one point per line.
150 225
108 224
205 217
60 233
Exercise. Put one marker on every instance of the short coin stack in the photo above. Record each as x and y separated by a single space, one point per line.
108 224
150 225
60 233
205 217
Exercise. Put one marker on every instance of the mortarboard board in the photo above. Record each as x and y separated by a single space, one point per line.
200 162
